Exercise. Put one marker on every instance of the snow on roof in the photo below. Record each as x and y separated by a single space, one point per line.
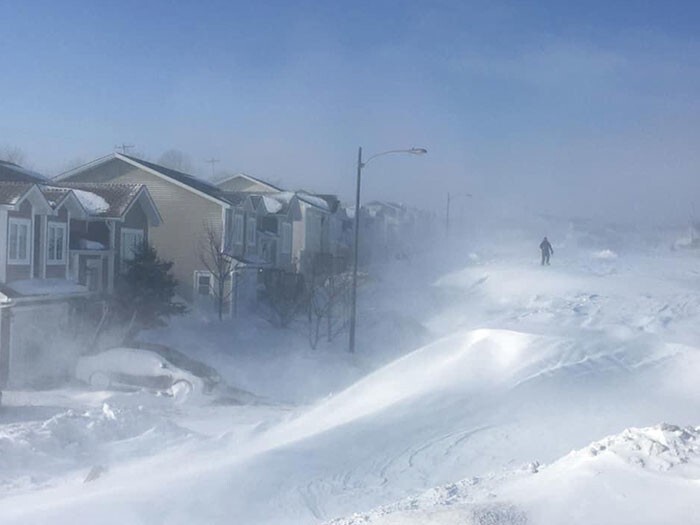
313 200
91 202
272 205
11 172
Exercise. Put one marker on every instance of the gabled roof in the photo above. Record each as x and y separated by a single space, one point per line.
250 178
112 201
61 197
194 184
12 192
184 178
281 203
235 198
11 172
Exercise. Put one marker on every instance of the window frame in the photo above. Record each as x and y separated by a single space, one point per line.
251 228
54 225
286 248
129 231
199 274
238 226
19 221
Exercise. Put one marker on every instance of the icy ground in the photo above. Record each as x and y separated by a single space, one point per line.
479 372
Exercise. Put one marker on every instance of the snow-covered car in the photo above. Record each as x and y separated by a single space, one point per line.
137 368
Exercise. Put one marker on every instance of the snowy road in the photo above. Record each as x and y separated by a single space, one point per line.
526 364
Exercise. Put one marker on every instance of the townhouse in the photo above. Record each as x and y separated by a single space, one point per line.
60 249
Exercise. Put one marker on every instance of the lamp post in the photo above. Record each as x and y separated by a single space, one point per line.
361 164
447 211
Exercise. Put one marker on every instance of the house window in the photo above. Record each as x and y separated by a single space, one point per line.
202 283
238 229
286 238
131 240
20 239
56 243
250 234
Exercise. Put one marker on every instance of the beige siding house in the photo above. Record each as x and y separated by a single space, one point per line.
188 206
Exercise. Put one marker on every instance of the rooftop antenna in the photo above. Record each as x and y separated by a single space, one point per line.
124 147
212 161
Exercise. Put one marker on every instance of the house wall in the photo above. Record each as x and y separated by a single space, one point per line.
3 245
299 237
185 217
36 349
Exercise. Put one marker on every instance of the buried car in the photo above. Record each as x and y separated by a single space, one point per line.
138 368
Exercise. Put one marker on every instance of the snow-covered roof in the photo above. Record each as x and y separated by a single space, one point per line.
11 172
271 204
110 200
92 202
314 200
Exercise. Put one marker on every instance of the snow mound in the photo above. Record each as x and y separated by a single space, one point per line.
593 481
31 453
605 255
659 448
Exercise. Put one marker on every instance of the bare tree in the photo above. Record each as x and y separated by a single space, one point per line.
328 299
286 296
13 154
176 160
220 265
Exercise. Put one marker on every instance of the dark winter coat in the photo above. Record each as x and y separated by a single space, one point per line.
546 247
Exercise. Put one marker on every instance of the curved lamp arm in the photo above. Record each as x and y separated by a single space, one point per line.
412 151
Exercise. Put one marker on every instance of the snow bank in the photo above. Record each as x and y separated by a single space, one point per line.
36 452
605 255
47 287
640 476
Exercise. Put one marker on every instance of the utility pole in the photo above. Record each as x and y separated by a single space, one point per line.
212 161
124 147
447 216
355 251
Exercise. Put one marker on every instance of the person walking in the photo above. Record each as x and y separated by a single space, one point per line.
547 251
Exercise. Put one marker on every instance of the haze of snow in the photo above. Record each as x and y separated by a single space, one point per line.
475 368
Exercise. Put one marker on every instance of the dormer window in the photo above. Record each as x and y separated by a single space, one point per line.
20 238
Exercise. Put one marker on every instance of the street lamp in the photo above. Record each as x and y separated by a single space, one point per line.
361 164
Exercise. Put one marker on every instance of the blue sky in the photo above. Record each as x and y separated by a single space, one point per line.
589 108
